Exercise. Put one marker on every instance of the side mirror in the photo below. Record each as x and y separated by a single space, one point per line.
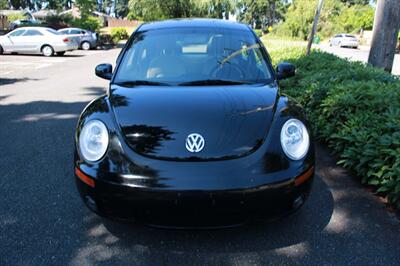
285 70
104 71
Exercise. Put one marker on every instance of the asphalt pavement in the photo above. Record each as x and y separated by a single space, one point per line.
361 54
44 222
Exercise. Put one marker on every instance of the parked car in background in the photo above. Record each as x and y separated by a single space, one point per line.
23 23
87 40
344 40
37 40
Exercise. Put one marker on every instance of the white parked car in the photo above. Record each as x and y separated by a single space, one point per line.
344 40
37 40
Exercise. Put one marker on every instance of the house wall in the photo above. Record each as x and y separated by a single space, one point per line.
114 22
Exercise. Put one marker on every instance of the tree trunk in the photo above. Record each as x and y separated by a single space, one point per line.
273 9
314 27
385 32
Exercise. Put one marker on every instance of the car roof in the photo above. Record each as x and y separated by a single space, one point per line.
190 23
72 29
33 28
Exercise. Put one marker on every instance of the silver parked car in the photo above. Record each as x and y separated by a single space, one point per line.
344 40
87 39
36 40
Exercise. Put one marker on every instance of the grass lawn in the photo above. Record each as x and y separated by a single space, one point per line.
273 43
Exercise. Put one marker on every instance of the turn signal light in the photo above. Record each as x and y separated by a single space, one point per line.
304 177
85 179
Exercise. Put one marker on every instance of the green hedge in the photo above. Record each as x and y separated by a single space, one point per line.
90 23
258 32
118 34
354 108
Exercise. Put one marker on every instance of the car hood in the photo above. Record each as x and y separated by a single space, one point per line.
157 120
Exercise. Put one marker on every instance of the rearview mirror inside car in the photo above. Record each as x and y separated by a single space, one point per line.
104 71
285 70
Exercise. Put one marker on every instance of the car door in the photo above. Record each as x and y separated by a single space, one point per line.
12 41
33 40
77 35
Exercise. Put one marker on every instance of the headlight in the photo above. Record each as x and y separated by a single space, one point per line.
93 140
295 139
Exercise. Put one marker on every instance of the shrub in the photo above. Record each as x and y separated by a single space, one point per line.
258 32
89 23
355 108
16 16
118 34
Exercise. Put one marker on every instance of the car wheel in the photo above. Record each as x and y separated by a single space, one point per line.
60 53
85 46
47 50
1 50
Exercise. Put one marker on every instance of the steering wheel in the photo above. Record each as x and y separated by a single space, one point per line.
227 71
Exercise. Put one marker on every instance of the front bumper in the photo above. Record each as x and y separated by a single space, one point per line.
195 208
127 185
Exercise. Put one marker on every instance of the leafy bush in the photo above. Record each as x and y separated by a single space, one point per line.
16 16
118 34
258 32
89 23
355 108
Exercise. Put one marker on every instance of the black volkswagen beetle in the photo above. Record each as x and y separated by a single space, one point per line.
193 130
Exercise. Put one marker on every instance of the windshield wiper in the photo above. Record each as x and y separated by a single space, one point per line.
140 82
212 82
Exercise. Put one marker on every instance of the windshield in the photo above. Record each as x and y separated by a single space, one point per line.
193 56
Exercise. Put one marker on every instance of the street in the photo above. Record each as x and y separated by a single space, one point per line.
361 54
44 222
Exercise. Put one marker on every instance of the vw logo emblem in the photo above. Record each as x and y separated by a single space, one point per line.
194 142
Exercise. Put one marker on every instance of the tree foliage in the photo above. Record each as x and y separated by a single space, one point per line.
121 8
336 17
86 7
155 10
355 2
357 17
261 12
3 4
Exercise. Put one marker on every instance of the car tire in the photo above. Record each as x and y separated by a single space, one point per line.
1 50
85 45
60 53
47 50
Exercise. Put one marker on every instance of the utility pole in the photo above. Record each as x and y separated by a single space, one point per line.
385 32
314 27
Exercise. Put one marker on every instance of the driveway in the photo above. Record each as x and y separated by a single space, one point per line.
361 54
43 221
